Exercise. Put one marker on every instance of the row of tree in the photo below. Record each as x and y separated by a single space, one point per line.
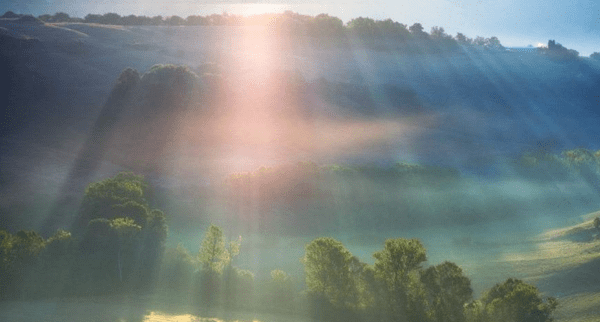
116 245
320 26
290 23
339 287
120 249
398 288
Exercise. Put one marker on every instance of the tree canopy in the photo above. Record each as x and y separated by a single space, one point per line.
517 301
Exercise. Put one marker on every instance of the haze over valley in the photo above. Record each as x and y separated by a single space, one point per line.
281 129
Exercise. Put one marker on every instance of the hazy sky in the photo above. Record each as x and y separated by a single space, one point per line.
573 23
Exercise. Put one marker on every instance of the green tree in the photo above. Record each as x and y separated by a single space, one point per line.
447 291
328 266
116 214
595 55
124 195
177 270
215 257
364 27
397 266
126 231
52 277
597 223
238 288
213 254
517 301
18 256
279 293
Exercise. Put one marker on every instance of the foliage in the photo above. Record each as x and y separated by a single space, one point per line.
324 25
122 195
514 301
279 293
448 290
177 269
218 281
122 238
597 223
367 27
238 288
322 28
51 277
439 33
396 266
462 39
170 85
213 254
575 163
595 55
417 30
329 272
18 256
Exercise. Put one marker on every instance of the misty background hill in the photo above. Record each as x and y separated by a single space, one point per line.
83 101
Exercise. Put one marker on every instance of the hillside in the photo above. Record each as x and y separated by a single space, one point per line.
401 140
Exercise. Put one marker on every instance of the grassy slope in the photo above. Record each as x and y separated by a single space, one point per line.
565 265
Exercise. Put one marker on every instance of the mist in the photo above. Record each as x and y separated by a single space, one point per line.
280 140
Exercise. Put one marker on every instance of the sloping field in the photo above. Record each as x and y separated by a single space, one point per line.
566 265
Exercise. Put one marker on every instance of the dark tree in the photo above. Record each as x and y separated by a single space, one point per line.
175 21
462 39
111 19
417 30
438 33
448 289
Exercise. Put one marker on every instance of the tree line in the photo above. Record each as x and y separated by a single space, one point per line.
319 26
117 246
397 288
295 24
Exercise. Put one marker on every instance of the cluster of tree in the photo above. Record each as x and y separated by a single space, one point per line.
398 288
30 265
557 51
327 28
578 163
212 280
306 197
121 249
116 245
400 171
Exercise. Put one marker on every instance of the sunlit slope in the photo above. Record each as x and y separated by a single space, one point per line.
565 265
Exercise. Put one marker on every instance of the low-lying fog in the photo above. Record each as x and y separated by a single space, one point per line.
253 100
